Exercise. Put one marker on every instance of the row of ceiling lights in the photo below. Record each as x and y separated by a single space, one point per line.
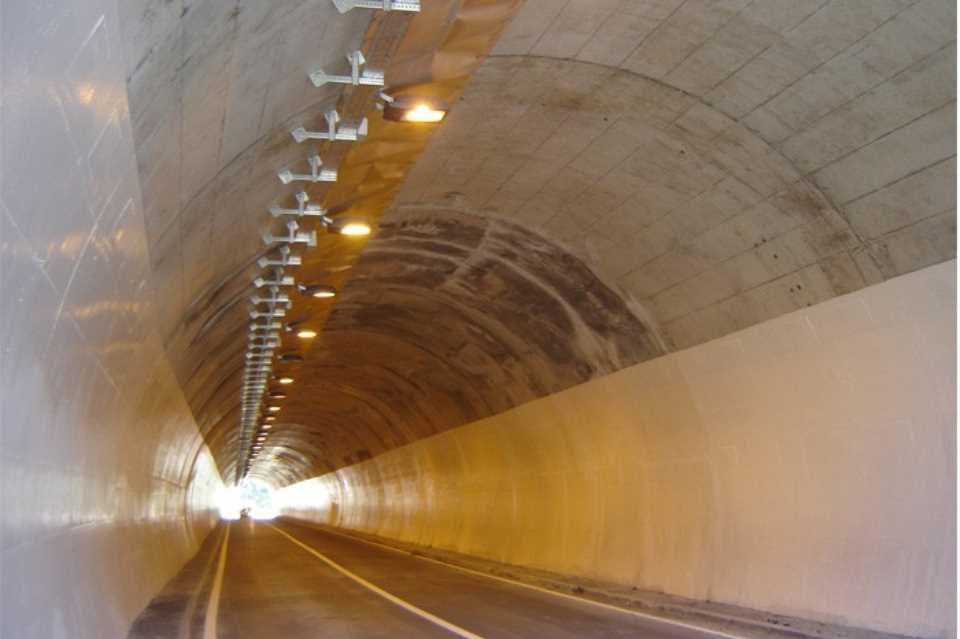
270 306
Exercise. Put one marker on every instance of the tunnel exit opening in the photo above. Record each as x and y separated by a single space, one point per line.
250 498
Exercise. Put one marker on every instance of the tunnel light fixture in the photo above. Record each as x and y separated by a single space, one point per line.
266 426
306 333
284 380
413 109
321 291
411 6
285 259
367 77
273 409
354 228
333 133
293 236
278 394
269 418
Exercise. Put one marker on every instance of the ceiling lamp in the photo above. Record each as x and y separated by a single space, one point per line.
278 395
409 108
306 333
283 380
321 291
353 228
273 409
269 418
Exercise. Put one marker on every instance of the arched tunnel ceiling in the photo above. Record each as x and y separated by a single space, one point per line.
619 179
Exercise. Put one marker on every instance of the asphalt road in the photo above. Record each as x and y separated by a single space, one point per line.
279 579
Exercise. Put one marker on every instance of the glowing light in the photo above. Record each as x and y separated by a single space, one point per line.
273 409
284 380
266 427
424 113
306 334
269 418
355 229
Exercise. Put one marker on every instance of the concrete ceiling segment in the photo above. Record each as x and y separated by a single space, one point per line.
720 163
448 317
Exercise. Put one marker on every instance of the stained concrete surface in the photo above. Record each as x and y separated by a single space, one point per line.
271 587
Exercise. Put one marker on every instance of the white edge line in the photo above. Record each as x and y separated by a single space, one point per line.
592 602
446 625
213 604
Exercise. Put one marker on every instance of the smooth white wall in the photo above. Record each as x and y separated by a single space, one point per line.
106 486
806 466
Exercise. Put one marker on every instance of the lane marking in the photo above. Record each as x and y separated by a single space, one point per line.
636 613
186 623
420 612
213 604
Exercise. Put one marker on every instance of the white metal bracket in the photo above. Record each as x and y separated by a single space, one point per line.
317 174
293 236
304 208
367 77
413 6
285 259
347 133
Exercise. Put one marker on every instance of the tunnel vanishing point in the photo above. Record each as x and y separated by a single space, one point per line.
478 318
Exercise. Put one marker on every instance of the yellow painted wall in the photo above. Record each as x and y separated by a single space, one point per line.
804 466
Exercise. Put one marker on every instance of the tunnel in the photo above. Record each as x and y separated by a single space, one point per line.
478 318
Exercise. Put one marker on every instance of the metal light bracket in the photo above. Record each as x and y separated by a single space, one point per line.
279 279
348 133
304 208
368 77
317 174
277 312
412 6
276 297
292 237
285 259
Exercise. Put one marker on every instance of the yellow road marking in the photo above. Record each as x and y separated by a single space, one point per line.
420 612
213 604
636 613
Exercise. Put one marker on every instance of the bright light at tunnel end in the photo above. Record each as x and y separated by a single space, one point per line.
253 498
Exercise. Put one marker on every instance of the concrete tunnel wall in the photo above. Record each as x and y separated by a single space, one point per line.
106 485
803 466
